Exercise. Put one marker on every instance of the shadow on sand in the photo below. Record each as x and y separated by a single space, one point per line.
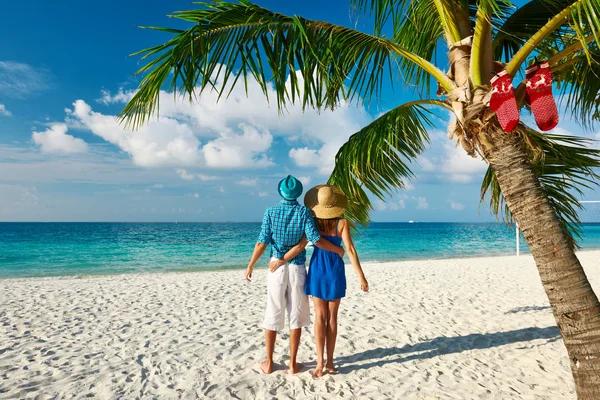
528 308
443 345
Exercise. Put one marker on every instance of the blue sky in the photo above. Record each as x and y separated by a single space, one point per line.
66 73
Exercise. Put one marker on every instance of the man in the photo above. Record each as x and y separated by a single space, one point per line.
283 226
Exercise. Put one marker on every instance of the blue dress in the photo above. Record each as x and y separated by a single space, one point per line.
326 278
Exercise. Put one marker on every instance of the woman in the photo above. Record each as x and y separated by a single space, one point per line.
326 279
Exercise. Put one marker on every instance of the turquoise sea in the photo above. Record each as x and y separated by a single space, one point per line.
56 249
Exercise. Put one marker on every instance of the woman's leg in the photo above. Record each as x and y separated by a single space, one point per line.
320 333
332 308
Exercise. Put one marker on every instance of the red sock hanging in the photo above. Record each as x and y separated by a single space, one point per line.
539 95
503 101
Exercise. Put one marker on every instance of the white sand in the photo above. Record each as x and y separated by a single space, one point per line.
449 329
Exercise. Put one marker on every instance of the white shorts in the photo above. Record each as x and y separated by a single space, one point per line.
285 291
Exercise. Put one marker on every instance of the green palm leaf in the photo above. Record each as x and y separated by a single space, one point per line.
420 32
564 165
382 10
312 62
580 88
376 158
545 28
511 33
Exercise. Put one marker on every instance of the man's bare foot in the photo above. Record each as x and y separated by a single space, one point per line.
266 367
330 368
294 369
318 372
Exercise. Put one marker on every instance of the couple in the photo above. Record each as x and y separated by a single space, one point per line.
288 227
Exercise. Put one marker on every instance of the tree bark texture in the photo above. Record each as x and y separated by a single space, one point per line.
574 304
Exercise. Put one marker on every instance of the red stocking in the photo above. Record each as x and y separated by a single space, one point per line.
503 101
539 95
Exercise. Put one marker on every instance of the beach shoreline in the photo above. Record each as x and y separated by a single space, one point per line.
262 266
453 328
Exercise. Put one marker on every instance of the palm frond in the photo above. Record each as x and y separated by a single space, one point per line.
512 32
382 11
419 33
576 20
376 158
312 62
421 30
579 88
564 165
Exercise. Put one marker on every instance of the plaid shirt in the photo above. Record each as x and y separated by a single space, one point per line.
284 225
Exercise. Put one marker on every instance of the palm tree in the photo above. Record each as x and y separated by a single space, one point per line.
532 178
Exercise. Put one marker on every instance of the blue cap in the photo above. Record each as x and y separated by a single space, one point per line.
290 188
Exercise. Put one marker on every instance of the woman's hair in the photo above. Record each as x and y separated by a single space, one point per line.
327 225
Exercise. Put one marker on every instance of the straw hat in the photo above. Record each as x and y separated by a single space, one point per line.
326 201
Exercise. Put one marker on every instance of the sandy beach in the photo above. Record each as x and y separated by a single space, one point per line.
436 329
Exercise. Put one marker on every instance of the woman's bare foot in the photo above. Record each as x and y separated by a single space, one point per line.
318 372
266 367
294 369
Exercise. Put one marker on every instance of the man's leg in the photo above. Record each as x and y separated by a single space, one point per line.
298 311
275 313
295 335
267 365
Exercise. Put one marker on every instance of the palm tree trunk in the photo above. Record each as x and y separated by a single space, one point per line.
574 304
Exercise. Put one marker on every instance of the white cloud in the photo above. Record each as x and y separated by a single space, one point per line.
452 164
29 196
325 131
157 186
408 186
460 178
304 157
221 189
247 182
183 174
305 180
203 177
380 205
20 80
4 111
171 139
393 204
120 97
456 205
239 151
426 164
196 195
188 176
166 142
263 194
422 203
461 167
56 140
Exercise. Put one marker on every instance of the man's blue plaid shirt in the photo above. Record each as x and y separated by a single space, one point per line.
284 225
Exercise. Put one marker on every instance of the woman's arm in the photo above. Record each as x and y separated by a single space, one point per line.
328 246
352 254
301 245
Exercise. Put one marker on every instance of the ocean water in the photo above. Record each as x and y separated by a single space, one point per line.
56 249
